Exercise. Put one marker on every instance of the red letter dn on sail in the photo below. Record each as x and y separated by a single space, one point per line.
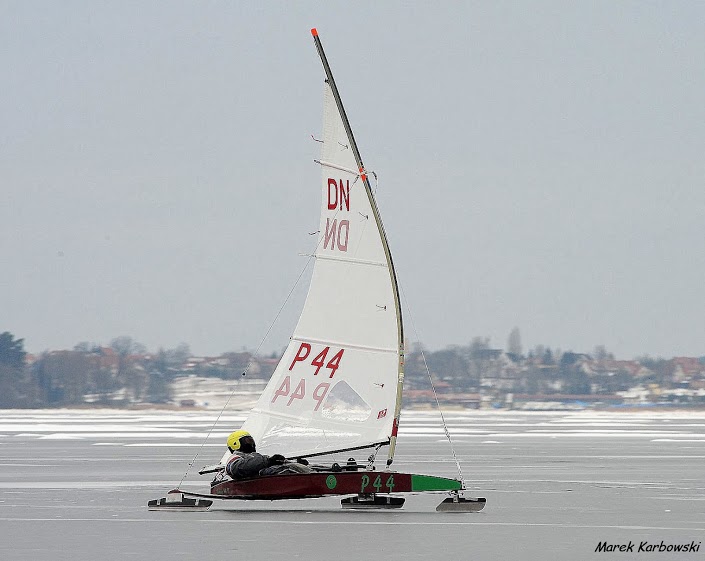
337 234
337 194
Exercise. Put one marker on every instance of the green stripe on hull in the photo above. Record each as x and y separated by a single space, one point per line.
430 483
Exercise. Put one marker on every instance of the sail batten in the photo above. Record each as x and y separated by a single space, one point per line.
337 386
340 168
349 345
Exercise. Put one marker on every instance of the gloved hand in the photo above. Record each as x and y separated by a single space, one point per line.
276 460
302 461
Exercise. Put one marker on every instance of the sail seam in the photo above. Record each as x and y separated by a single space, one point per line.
345 345
337 423
352 260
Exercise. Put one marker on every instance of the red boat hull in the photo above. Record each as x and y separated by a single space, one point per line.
320 484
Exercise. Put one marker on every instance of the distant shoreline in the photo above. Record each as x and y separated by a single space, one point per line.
416 408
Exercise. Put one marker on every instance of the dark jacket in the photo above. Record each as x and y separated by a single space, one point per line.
241 465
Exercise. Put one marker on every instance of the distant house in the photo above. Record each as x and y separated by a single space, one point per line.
109 359
632 367
487 354
687 368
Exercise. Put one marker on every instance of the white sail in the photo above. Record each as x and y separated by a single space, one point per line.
335 387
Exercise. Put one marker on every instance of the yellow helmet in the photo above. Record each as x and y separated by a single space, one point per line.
235 438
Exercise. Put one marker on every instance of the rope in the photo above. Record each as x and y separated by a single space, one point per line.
433 387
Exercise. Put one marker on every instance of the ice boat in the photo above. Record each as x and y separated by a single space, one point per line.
338 387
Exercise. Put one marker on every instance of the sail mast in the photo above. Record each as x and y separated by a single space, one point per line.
383 235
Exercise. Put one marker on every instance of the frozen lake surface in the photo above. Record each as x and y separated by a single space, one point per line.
74 486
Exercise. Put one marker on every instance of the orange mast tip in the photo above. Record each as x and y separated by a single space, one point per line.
314 32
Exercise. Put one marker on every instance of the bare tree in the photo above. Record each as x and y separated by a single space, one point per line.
179 355
125 346
514 342
601 353
130 374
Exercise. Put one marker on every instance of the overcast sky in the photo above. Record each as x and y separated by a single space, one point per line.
540 165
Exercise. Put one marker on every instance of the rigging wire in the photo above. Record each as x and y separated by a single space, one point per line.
433 387
249 363
261 343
